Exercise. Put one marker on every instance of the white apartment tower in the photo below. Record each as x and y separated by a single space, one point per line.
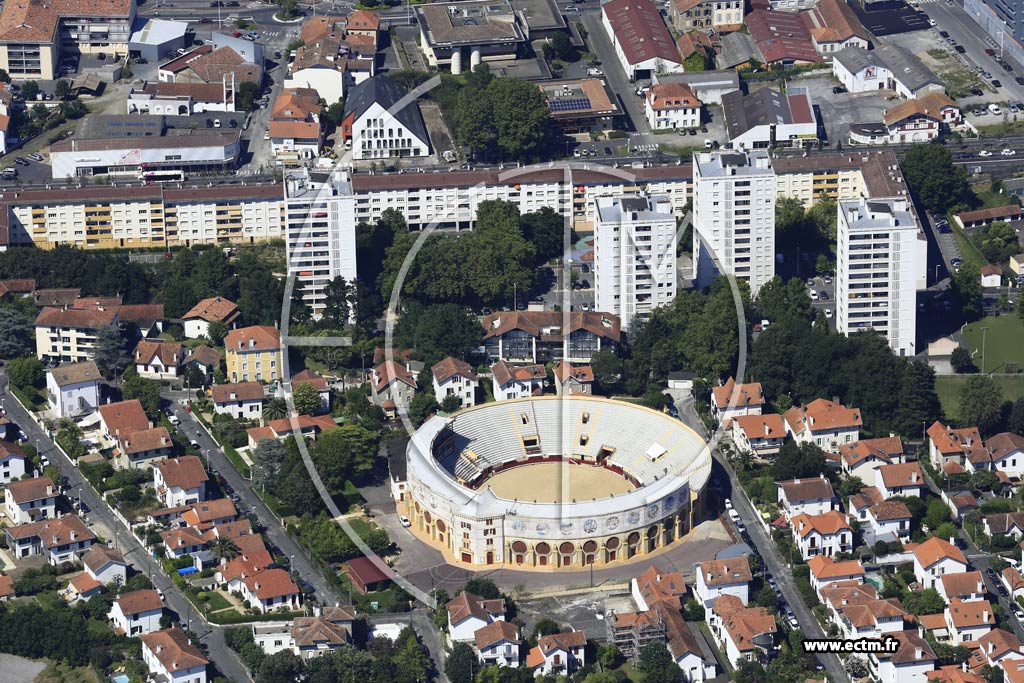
320 232
734 217
881 256
634 255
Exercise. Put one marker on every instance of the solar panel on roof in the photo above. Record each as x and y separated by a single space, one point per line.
570 104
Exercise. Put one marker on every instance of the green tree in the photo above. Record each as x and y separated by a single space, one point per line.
147 391
267 458
544 627
61 90
25 372
961 360
521 117
223 548
928 601
338 296
412 665
966 286
178 296
281 667
778 300
345 453
798 462
918 402
563 47
294 486
306 399
109 352
931 175
607 367
545 230
438 330
461 663
450 404
981 403
750 672
246 95
275 409
823 265
1015 422
486 589
29 90
937 513
17 334
657 665
609 655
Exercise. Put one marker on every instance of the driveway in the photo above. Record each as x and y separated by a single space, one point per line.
100 514
616 77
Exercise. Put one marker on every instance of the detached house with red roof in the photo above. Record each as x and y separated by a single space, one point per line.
180 481
158 359
715 578
573 380
969 621
863 458
948 446
393 384
826 424
998 646
886 521
733 400
295 130
142 448
826 572
498 643
60 540
900 480
27 500
138 612
743 633
12 462
68 335
517 381
215 309
759 434
123 418
873 619
966 586
1003 452
171 658
813 496
240 400
825 534
640 38
253 354
935 558
910 663
672 106
271 590
561 653
468 612
453 377
1011 523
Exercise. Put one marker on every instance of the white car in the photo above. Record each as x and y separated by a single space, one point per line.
984 153
995 110
1008 152
728 504
814 295
828 312
173 419
404 521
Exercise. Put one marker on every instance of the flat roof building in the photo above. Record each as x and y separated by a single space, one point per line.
580 105
201 150
482 30
157 38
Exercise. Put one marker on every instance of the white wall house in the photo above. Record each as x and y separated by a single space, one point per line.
911 662
759 434
813 496
73 388
106 565
900 480
749 400
887 67
825 572
171 658
468 613
12 462
824 423
271 590
562 653
241 400
158 360
29 500
137 612
180 481
640 38
672 106
743 633
934 558
715 578
453 377
378 127
511 381
498 643
887 521
825 534
968 621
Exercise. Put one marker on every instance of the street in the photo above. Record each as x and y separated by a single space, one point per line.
211 637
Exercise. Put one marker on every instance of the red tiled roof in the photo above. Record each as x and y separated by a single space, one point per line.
271 583
935 549
145 440
389 371
449 367
214 308
239 391
124 417
782 36
27 490
253 338
640 31
174 650
85 319
186 472
310 377
138 602
169 353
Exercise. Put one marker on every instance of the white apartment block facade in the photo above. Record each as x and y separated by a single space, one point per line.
634 255
880 257
321 233
734 217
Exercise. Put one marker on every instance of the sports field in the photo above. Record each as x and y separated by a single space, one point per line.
543 483
1002 342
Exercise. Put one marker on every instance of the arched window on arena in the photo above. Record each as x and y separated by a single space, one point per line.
565 551
543 550
589 548
519 552
612 547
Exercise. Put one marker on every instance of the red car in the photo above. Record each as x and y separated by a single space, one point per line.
990 52
236 34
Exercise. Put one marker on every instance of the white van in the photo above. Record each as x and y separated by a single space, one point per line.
995 110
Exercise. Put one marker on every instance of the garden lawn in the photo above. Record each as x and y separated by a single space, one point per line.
948 389
1002 342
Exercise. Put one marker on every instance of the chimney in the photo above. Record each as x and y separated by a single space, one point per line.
914 477
55 539
73 535
984 616
917 653
991 647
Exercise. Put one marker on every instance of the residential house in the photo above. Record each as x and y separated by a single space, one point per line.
826 572
758 434
967 586
206 359
887 521
105 565
331 65
305 425
1003 452
824 534
180 481
998 646
28 500
158 359
539 336
204 515
137 612
271 590
393 384
1001 523
824 423
81 587
215 62
73 388
934 558
12 462
835 26
672 106
375 126
656 586
295 130
909 663
918 120
468 612
843 594
743 633
873 619
1014 582
142 448
498 644
715 578
991 275
253 557
769 117
253 353
172 658
900 480
307 637
954 674
181 542
812 496
969 621
319 384
68 335
558 654
240 400
122 419
863 458
215 309
453 377
573 380
734 400
886 67
510 381
722 16
950 446
60 540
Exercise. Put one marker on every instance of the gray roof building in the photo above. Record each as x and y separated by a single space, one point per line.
738 48
387 93
904 65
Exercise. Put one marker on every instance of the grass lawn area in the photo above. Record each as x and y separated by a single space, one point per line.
1002 129
385 599
989 199
361 526
58 672
237 461
216 600
948 389
1002 342
970 252
352 495
49 600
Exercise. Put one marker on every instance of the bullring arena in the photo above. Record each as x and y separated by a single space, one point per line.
555 482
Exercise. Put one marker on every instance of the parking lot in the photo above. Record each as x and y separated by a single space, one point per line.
890 18
838 111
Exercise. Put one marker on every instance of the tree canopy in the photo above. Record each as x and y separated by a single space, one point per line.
931 175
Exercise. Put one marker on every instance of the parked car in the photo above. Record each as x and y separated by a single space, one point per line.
20 161
404 521
814 295
997 84
1020 80
990 52
35 156
960 49
836 90
174 420
977 92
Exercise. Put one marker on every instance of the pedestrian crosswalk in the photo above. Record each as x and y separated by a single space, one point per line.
271 34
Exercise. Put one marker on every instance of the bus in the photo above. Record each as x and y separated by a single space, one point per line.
163 176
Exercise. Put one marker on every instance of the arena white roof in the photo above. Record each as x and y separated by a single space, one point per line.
493 434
